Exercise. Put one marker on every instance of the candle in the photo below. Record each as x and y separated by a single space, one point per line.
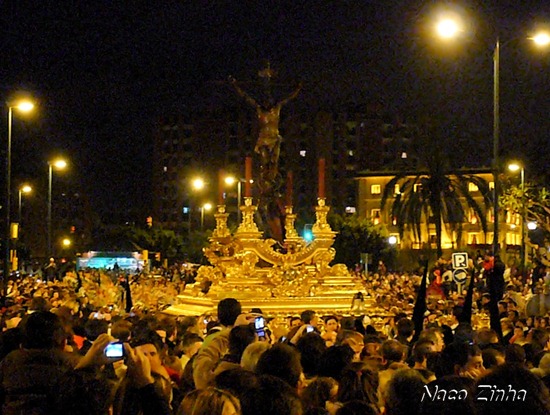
221 182
289 188
248 177
321 178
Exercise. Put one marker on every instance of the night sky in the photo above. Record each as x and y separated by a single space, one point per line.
104 72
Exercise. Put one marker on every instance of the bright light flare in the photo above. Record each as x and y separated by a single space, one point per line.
66 242
24 106
230 180
59 164
447 28
532 226
392 240
26 189
542 39
514 167
207 206
198 184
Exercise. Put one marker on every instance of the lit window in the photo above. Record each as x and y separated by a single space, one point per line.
350 209
302 153
375 189
491 185
375 215
473 238
472 187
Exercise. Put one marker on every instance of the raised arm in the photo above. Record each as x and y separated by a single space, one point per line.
291 96
242 93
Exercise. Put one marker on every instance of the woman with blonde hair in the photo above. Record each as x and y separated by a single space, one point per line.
252 354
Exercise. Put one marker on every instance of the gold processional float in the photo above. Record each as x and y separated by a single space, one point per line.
247 267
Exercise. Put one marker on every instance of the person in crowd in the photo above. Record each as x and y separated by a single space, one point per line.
93 328
273 396
282 361
240 337
405 331
216 345
331 330
404 393
320 393
190 346
358 382
252 354
211 401
311 347
512 378
42 355
150 344
421 352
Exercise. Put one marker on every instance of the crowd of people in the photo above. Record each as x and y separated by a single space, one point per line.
80 345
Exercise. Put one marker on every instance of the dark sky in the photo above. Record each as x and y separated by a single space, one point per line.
104 71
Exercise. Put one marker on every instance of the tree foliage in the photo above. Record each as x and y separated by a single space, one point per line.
356 236
533 204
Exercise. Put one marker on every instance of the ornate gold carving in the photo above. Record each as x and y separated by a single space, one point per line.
221 230
248 227
262 272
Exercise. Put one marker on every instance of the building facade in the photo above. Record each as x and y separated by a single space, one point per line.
202 144
371 187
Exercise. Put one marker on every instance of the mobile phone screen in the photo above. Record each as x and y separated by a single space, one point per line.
259 325
114 350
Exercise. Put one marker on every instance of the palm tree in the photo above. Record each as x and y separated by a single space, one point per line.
435 195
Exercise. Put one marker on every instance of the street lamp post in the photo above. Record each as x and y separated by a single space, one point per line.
515 167
23 189
496 139
207 207
229 181
58 164
23 106
197 184
449 28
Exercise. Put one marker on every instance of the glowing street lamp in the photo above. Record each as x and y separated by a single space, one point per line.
22 106
541 39
198 184
58 164
450 28
447 28
66 242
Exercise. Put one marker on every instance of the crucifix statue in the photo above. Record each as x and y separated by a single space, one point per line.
268 145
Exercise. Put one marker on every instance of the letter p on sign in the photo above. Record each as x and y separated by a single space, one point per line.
460 260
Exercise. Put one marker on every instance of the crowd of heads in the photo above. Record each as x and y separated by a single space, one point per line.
223 363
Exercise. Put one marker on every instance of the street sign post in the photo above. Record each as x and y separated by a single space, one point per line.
460 269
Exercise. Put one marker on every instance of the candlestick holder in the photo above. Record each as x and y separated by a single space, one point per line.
221 230
290 230
248 227
321 227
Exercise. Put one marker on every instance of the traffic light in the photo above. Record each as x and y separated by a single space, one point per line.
308 234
